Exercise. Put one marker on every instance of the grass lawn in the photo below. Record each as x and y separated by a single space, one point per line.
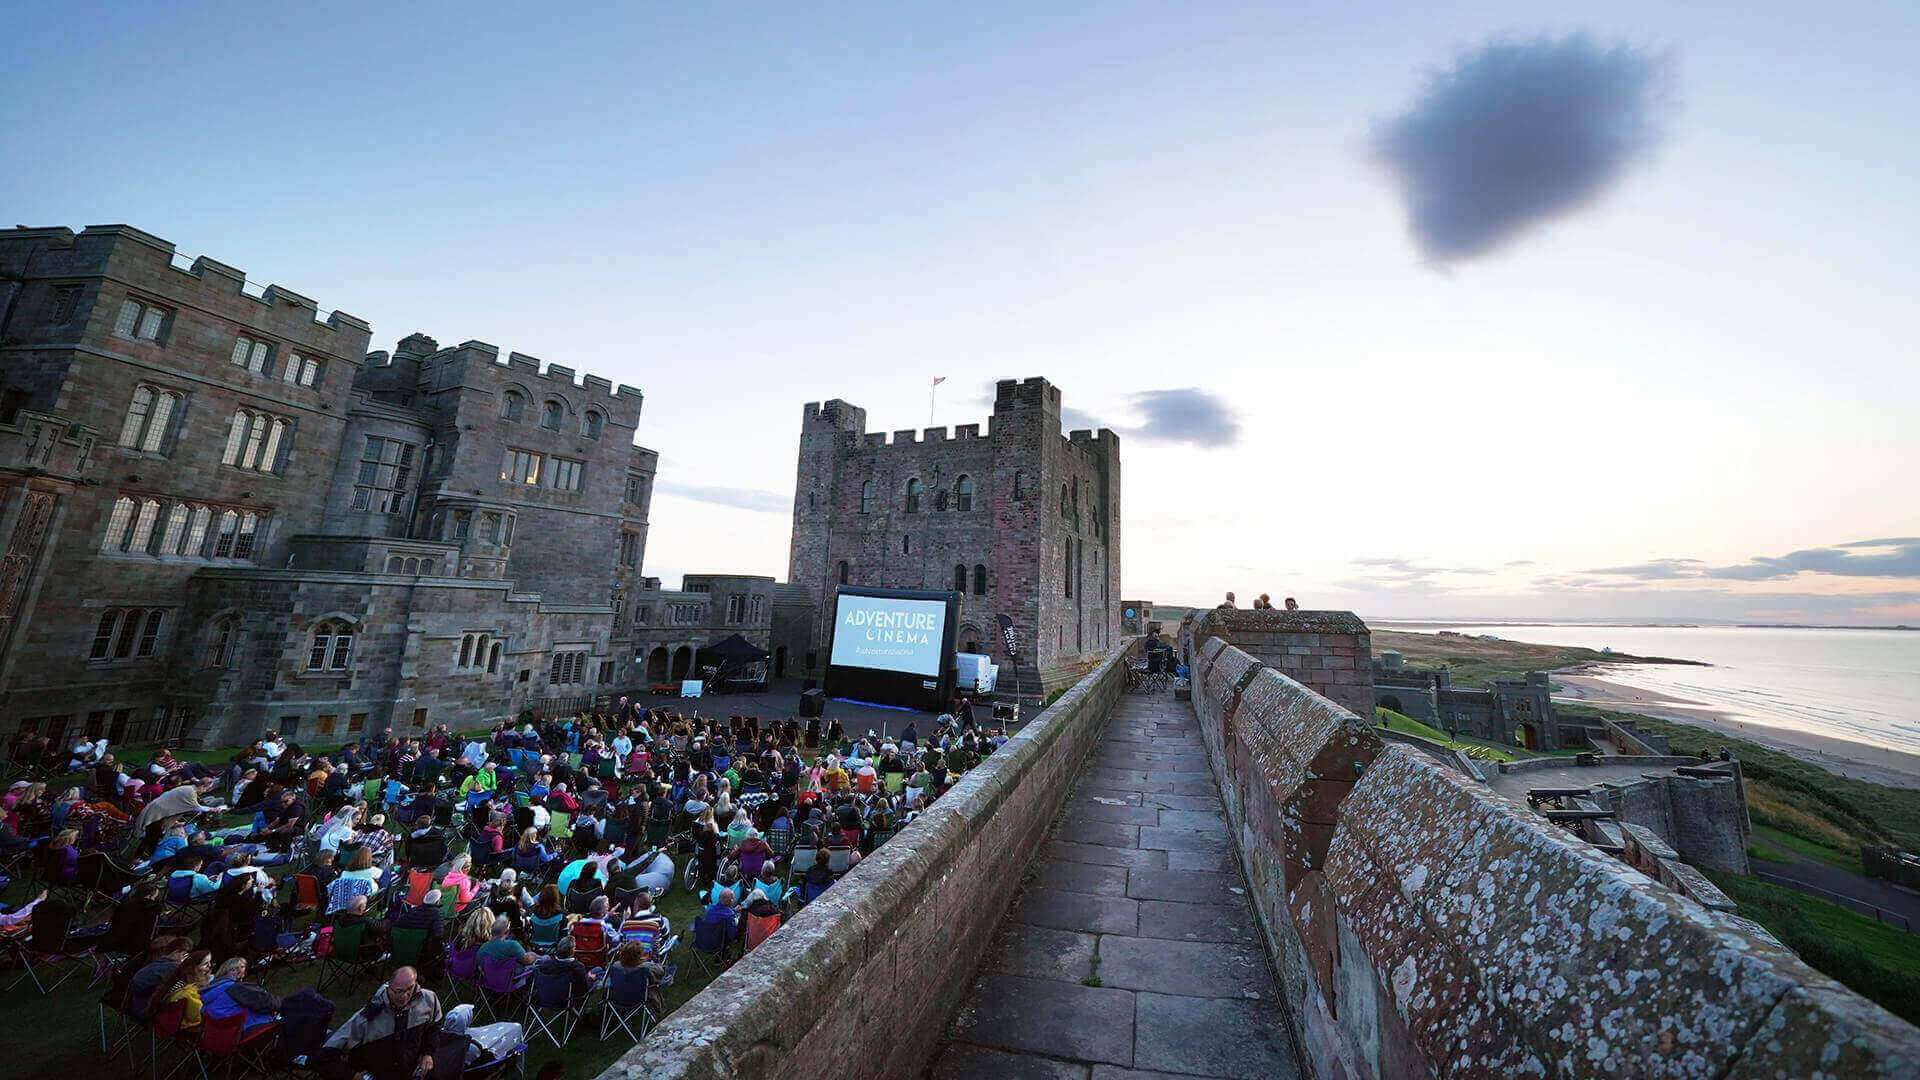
1875 960
1406 725
1774 845
63 1039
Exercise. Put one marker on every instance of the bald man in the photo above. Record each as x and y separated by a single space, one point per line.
392 1034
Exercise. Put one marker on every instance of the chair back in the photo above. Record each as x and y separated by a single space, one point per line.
266 933
52 922
658 832
590 943
498 975
180 889
839 859
306 891
348 940
802 861
305 1018
449 901
168 1018
628 987
560 825
712 933
760 927
544 930
408 944
220 1035
751 862
418 882
463 965
614 831
551 989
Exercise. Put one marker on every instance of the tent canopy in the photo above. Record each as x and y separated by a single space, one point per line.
732 650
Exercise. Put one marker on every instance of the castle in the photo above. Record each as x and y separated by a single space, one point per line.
1021 520
1512 711
223 515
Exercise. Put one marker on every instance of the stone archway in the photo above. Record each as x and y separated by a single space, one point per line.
1528 737
1391 703
657 664
682 661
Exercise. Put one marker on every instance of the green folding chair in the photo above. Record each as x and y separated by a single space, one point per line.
449 901
560 826
408 946
896 781
373 791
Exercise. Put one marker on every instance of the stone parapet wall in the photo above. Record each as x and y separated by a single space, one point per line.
1424 927
1329 652
861 983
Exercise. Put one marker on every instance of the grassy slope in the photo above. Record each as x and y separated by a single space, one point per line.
1876 960
1406 725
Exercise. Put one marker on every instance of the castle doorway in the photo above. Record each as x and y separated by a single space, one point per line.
682 661
1528 737
657 664
1392 703
780 662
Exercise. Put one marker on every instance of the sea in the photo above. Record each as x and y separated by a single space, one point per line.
1858 685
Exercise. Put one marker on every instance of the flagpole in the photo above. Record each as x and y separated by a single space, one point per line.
931 389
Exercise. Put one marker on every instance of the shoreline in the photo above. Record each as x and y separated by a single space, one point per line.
1844 757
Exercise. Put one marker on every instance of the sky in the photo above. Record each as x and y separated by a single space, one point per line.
1350 361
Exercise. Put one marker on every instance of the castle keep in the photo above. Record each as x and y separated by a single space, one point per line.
223 514
1022 520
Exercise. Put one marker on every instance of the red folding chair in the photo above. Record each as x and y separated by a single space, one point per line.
226 1043
306 894
418 884
590 944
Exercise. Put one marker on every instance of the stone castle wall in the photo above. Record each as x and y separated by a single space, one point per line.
860 984
1423 927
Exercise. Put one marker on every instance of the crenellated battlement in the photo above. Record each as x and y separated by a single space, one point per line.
95 245
522 366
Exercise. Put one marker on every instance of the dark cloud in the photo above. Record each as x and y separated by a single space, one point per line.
1519 133
739 498
1657 570
1896 558
1188 416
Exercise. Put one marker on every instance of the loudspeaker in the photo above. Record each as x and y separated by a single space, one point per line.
813 703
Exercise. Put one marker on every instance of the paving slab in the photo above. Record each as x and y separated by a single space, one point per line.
1154 836
1218 862
1109 833
1198 922
1078 911
1209 802
1097 798
1068 876
963 1062
1102 855
1201 821
1121 815
1190 968
1115 1072
1042 952
1041 1016
1245 1040
1186 886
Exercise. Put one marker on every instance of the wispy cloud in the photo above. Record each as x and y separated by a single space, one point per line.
768 502
1519 133
1895 557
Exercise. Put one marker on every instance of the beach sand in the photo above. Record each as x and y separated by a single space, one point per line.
1844 757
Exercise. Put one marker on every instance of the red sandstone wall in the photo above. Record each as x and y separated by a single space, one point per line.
861 983
1425 928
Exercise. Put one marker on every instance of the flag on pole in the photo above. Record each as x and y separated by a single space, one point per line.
939 379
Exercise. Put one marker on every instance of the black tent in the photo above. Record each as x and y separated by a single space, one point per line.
733 660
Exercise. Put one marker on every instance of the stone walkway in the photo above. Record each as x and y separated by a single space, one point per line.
1133 953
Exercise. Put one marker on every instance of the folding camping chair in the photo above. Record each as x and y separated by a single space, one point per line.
307 899
625 1006
552 1010
802 862
225 1042
502 985
590 945
463 966
711 939
48 941
347 955
559 826
409 945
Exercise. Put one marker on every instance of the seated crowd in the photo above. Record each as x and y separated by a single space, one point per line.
521 864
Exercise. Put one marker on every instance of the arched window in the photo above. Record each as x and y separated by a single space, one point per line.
222 639
843 571
866 497
466 650
960 579
1076 499
148 417
1066 572
493 659
592 423
1063 500
551 414
512 406
979 579
412 566
914 490
395 564
906 544
963 493
429 567
1019 486
254 441
332 648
